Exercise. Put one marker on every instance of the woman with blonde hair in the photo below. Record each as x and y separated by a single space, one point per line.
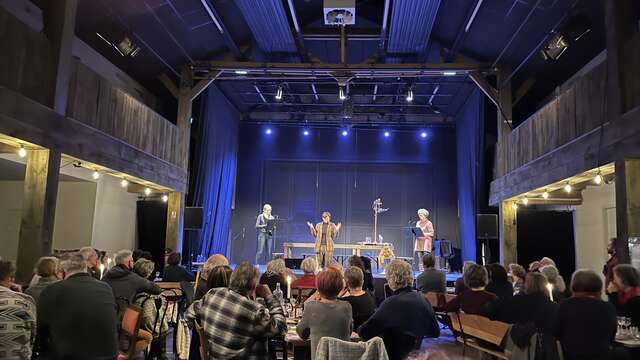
557 282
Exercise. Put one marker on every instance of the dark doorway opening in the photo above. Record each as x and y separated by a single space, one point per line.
152 229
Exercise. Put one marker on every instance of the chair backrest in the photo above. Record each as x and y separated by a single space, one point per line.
480 327
131 320
203 340
438 299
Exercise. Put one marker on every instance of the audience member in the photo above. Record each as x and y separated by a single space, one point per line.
460 286
17 317
559 292
91 257
534 266
167 252
174 272
125 283
156 326
517 274
219 277
499 282
403 319
236 326
77 316
472 301
326 316
624 292
611 263
431 280
47 271
277 273
546 261
212 262
357 261
586 325
308 280
531 311
363 305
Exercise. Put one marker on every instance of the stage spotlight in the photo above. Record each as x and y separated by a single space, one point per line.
96 175
268 131
22 152
279 92
345 132
386 134
423 134
410 95
342 94
305 133
545 195
567 188
124 183
555 48
147 191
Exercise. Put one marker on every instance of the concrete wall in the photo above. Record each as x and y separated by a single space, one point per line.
594 222
114 226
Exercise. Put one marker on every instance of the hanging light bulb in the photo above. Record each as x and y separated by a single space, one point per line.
525 201
598 179
279 92
567 188
124 183
545 195
514 206
342 93
96 175
410 95
147 191
165 198
22 152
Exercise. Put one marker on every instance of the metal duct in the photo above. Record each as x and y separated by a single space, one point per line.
268 22
411 25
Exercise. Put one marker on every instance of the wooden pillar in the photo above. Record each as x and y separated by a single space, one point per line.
38 209
619 27
627 205
59 26
175 221
508 233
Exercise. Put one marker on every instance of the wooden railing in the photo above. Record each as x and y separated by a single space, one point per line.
578 110
93 100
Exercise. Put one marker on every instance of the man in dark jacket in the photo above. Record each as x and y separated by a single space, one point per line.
125 283
76 316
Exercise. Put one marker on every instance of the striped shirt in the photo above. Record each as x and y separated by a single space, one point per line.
235 326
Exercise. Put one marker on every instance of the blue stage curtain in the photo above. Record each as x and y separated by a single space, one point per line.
214 171
469 143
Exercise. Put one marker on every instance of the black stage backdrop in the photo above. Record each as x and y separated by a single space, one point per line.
303 176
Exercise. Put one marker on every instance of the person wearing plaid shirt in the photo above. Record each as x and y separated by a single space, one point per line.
235 326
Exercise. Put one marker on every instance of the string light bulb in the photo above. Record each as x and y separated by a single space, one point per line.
525 201
545 195
598 179
514 206
96 175
124 183
567 188
165 198
22 152
147 191
410 95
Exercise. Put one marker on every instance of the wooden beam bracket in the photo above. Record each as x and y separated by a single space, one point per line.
484 85
168 83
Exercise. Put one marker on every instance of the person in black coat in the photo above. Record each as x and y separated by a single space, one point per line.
124 282
624 292
76 316
174 272
499 283
586 326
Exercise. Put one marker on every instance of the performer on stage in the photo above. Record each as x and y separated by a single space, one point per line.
265 236
324 232
424 243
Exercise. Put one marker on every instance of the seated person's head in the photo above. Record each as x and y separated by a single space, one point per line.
475 276
356 260
124 258
625 276
586 281
219 277
72 264
244 279
536 284
329 283
143 267
174 258
399 275
546 261
534 266
47 267
428 261
213 261
309 265
497 273
517 270
276 266
354 277
7 272
334 264
90 256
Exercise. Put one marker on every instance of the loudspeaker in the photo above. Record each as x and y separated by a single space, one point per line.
193 217
487 226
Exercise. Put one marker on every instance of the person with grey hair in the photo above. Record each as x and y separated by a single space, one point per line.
308 280
363 305
404 319
473 300
91 257
76 316
265 235
555 279
424 241
235 325
149 304
277 273
126 283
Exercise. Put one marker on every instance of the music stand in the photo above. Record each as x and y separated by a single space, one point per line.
417 232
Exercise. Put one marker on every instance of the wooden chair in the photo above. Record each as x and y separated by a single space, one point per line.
203 341
438 300
130 327
480 328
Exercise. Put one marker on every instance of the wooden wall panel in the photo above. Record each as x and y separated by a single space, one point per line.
632 66
566 121
590 100
26 60
97 103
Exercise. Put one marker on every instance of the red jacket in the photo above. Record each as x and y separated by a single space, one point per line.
307 281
